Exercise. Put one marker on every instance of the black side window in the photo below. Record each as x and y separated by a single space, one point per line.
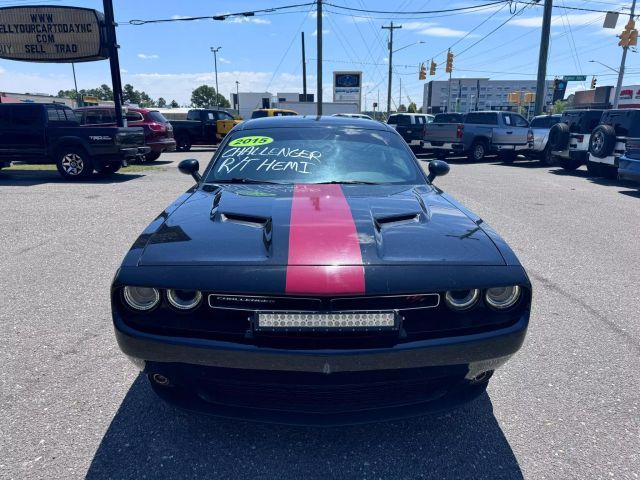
70 115
55 115
518 121
193 115
27 117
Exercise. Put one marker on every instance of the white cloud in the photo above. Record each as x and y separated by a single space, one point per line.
122 70
360 19
315 32
145 56
223 60
314 14
257 21
571 19
445 32
417 25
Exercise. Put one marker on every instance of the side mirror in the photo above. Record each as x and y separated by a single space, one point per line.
190 167
437 168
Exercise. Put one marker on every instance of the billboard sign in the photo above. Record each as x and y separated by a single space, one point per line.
347 87
629 96
52 34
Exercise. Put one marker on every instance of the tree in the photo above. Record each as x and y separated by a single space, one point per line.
174 104
205 96
412 108
162 103
559 106
130 94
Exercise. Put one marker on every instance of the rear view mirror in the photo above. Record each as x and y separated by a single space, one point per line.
190 166
437 168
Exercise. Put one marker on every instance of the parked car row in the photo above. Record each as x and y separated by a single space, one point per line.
39 133
606 141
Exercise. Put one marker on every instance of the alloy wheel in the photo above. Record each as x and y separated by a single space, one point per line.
72 164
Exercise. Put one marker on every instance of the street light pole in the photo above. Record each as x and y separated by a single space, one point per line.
215 65
622 62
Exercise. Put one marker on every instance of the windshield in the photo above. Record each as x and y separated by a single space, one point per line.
259 114
315 155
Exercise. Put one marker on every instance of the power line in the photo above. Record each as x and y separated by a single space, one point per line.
459 9
224 16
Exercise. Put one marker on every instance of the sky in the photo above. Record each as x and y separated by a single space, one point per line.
263 52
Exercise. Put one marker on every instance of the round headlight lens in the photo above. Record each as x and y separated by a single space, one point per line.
502 298
184 299
462 299
141 298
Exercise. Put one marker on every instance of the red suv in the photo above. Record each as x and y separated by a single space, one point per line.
158 132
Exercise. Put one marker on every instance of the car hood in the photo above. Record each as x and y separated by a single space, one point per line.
319 225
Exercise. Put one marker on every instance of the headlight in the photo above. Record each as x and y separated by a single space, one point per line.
462 299
502 298
141 298
184 299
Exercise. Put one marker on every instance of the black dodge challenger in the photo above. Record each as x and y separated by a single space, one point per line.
315 275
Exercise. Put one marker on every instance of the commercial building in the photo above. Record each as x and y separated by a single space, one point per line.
467 94
7 97
250 101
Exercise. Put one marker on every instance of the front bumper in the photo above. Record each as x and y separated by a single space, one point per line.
320 387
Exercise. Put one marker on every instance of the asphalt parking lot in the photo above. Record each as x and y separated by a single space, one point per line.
567 406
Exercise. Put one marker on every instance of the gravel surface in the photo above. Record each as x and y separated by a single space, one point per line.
566 406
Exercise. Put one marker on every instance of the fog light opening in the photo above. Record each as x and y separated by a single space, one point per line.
160 379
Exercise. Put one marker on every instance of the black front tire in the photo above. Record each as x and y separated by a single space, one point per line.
74 163
183 142
546 157
507 157
152 156
478 151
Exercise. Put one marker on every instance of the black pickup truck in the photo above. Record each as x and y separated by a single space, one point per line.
202 127
46 133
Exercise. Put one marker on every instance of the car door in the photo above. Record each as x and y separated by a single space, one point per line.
27 131
520 128
210 121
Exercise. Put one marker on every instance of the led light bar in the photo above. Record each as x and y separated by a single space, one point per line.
326 321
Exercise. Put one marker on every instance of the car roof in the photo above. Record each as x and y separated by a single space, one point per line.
301 121
405 113
102 107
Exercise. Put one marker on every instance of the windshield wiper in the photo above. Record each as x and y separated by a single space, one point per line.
245 180
347 182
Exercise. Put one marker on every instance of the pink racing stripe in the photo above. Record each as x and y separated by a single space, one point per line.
324 250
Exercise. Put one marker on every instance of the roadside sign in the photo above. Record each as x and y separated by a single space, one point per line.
574 78
52 34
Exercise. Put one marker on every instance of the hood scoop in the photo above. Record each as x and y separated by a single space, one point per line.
248 220
394 220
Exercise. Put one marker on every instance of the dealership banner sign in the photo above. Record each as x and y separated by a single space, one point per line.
347 87
52 34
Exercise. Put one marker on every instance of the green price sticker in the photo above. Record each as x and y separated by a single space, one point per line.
250 141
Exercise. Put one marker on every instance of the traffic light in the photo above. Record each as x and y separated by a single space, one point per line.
529 97
629 36
594 80
423 72
432 68
513 97
449 66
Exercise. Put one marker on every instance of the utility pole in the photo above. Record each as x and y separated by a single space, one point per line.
215 65
78 101
238 96
400 94
319 55
304 71
391 27
114 62
622 62
542 59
